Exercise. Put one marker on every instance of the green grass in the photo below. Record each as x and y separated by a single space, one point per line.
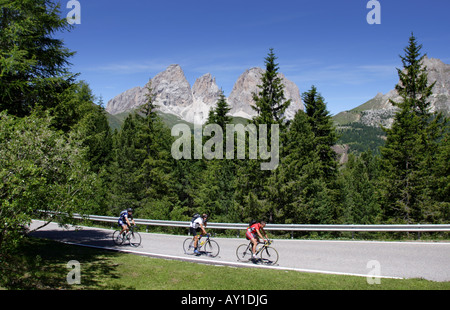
41 264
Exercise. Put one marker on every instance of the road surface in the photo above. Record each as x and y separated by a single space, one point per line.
428 260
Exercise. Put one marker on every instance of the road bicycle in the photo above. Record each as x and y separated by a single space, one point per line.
268 255
132 236
205 246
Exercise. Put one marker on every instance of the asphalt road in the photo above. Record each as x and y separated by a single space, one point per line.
372 259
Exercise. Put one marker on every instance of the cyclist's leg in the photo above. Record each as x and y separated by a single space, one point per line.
124 229
255 243
193 231
120 222
252 237
196 241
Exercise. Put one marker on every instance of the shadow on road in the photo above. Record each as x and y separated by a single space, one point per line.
40 263
100 238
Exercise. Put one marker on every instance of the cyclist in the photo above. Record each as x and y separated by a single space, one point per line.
198 224
254 232
124 220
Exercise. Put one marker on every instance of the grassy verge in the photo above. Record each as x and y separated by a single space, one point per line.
42 264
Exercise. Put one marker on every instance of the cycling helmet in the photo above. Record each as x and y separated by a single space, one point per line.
129 210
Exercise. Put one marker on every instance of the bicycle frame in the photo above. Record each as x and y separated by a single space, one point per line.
127 236
268 255
131 229
260 249
201 244
207 245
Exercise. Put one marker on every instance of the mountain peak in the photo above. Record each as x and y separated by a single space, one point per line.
175 96
205 93
174 67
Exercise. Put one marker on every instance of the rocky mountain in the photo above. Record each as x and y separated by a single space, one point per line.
172 90
126 101
205 94
379 111
241 97
175 96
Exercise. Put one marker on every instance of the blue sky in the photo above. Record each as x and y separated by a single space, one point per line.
329 44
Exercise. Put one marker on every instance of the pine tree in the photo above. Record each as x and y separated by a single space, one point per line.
148 109
324 132
287 186
219 114
270 102
299 189
143 170
411 143
319 200
440 187
358 186
413 86
124 166
216 189
33 64
252 195
215 194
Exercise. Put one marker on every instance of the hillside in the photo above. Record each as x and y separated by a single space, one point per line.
379 111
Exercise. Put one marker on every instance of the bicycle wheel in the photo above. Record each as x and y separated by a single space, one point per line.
188 246
269 256
117 237
244 253
211 248
135 238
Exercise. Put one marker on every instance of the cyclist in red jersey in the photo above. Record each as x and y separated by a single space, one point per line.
254 232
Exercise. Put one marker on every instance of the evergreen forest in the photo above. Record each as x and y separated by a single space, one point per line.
58 152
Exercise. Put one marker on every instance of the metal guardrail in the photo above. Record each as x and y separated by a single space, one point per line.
284 227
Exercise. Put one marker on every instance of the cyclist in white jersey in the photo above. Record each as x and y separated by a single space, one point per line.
198 225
